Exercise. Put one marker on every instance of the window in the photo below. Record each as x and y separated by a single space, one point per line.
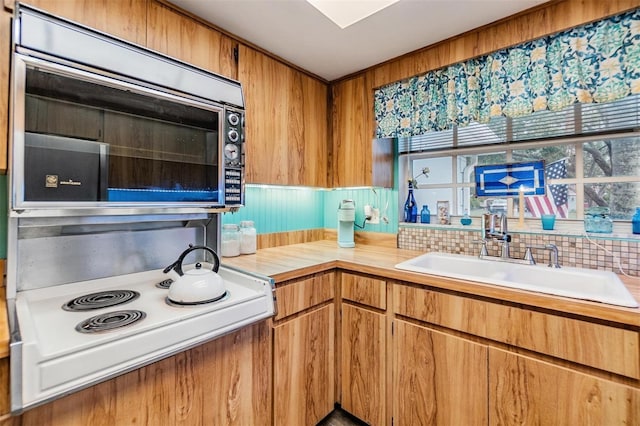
591 152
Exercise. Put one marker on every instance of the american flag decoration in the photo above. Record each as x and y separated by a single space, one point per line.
555 201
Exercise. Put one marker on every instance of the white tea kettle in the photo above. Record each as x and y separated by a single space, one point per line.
198 285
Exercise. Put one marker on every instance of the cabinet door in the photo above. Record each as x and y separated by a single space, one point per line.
364 364
357 158
438 379
312 162
527 391
181 37
286 133
303 364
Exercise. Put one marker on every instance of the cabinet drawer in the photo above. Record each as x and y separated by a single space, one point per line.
597 345
365 290
298 295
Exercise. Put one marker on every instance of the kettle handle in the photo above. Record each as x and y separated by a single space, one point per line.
177 265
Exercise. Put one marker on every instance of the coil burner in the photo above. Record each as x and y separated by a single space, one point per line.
110 321
99 300
164 283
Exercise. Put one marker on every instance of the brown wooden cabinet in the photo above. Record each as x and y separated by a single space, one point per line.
357 158
438 379
303 368
523 390
604 346
224 382
286 130
363 348
364 364
304 350
532 367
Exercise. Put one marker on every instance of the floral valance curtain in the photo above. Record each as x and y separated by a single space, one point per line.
598 62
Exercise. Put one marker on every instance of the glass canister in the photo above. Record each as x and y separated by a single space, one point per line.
248 243
596 219
230 240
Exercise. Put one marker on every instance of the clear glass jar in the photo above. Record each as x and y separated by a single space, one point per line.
248 243
596 219
230 240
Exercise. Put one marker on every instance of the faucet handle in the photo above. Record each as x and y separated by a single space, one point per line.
528 256
483 250
553 255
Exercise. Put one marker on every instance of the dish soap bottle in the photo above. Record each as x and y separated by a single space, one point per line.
425 214
635 221
410 207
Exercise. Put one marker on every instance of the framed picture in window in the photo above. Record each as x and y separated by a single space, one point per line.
444 216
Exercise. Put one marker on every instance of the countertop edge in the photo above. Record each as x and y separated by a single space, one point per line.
296 261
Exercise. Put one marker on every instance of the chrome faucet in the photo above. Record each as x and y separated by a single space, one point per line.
553 255
494 227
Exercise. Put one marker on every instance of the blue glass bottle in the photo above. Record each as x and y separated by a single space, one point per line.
410 207
635 221
466 219
425 214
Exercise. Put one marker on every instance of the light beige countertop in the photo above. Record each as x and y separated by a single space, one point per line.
288 262
297 260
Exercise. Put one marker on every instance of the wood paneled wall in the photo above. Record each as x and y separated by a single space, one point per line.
353 156
5 34
549 18
277 239
179 36
126 19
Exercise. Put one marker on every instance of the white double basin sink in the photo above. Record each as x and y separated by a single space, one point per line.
577 283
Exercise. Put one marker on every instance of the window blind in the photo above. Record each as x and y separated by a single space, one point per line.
574 120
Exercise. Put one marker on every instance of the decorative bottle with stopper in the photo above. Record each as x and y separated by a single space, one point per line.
410 206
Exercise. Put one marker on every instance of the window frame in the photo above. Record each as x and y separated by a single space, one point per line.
405 161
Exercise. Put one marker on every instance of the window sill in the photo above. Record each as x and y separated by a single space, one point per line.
566 228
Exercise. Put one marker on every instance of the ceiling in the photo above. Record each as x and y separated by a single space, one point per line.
299 33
